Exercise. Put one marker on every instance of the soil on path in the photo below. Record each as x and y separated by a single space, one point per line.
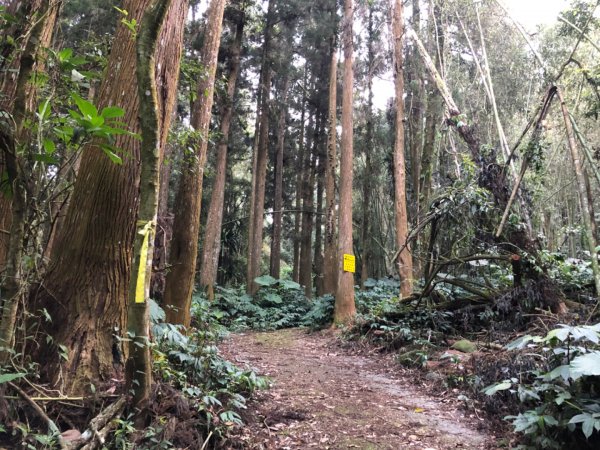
325 396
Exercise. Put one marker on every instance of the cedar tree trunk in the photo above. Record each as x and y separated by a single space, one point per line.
86 287
345 308
186 226
404 259
212 237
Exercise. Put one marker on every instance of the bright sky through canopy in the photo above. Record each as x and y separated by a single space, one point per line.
531 13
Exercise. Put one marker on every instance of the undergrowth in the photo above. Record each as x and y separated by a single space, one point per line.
560 404
196 387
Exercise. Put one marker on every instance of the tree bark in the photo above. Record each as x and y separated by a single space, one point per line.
306 260
27 14
298 196
212 236
368 148
139 363
404 259
318 250
330 260
275 263
345 308
186 224
259 174
86 287
12 136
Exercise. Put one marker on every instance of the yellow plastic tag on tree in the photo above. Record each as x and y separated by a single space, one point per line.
140 286
349 263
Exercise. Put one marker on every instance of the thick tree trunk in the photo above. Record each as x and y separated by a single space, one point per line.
330 260
86 287
212 236
259 173
404 259
275 263
345 308
186 224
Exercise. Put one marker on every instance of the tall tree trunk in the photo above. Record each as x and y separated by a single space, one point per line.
275 263
298 196
19 101
212 236
415 116
31 39
259 173
318 251
308 200
186 224
345 308
433 116
584 204
367 174
139 364
85 290
330 259
404 258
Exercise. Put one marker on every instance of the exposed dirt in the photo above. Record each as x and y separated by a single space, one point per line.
326 396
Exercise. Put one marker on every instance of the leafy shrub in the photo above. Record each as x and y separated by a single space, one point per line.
278 304
561 404
320 314
569 273
191 363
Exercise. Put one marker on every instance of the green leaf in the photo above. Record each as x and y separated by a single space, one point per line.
585 332
559 333
492 389
45 158
519 343
109 150
49 146
273 298
265 280
6 377
586 365
157 314
65 54
289 284
588 423
44 109
86 108
563 372
111 112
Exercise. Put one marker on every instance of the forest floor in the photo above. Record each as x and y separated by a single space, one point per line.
326 395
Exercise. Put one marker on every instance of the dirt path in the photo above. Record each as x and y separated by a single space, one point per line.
326 397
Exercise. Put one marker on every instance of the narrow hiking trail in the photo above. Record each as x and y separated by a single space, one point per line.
325 396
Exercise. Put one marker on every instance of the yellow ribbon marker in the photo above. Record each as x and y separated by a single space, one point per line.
140 288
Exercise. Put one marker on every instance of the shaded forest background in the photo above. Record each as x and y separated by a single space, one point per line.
183 165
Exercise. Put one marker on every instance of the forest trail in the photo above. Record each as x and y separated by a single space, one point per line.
325 396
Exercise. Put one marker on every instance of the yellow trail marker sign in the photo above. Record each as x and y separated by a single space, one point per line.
349 263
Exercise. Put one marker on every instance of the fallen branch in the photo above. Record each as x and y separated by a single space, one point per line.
97 430
52 428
